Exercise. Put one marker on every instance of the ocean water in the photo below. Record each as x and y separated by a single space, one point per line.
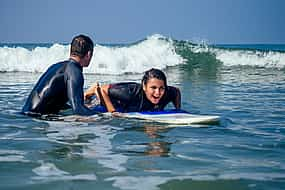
244 84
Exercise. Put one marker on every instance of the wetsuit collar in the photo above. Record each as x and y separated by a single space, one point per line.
76 63
73 60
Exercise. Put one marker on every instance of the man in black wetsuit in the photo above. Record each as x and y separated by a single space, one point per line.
62 83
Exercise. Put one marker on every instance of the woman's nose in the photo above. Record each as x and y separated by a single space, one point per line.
157 91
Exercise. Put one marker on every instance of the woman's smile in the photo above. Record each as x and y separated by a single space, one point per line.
154 90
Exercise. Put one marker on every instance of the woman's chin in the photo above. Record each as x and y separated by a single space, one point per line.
155 101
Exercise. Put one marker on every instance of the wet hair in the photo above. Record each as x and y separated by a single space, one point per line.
80 45
154 73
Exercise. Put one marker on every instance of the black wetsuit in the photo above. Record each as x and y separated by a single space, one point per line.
129 97
61 83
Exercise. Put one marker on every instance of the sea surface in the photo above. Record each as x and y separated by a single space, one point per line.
244 84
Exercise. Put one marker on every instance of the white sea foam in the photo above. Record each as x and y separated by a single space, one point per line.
138 183
36 60
253 176
155 51
268 59
148 182
49 172
153 182
49 169
152 52
12 156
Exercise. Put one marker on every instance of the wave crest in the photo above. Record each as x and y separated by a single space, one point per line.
154 51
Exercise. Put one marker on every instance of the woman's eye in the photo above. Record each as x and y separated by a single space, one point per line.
154 88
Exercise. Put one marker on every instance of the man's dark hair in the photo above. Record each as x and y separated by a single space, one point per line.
80 45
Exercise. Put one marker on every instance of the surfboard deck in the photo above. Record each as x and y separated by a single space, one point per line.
173 117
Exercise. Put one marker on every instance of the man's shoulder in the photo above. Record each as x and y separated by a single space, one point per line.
71 65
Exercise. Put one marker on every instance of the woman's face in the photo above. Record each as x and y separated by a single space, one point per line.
154 90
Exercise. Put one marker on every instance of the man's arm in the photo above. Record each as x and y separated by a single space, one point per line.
74 84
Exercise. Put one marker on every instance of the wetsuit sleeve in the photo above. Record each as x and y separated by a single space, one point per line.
175 96
122 91
74 84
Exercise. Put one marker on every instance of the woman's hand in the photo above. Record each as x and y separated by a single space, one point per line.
117 114
91 91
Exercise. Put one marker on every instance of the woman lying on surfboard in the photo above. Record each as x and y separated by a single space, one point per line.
152 94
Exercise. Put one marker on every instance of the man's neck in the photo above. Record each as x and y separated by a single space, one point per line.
76 58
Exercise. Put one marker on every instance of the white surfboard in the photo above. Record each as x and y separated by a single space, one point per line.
174 118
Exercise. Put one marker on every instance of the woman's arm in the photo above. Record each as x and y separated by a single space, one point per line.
177 101
91 91
102 94
107 101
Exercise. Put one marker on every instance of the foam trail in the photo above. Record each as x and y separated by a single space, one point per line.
12 156
49 172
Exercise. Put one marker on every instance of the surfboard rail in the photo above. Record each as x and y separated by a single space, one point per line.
173 117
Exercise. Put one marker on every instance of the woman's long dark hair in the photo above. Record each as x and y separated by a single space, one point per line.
154 73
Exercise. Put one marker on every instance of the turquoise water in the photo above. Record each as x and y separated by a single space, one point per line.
245 151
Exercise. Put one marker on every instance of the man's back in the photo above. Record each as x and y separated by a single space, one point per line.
56 86
48 95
